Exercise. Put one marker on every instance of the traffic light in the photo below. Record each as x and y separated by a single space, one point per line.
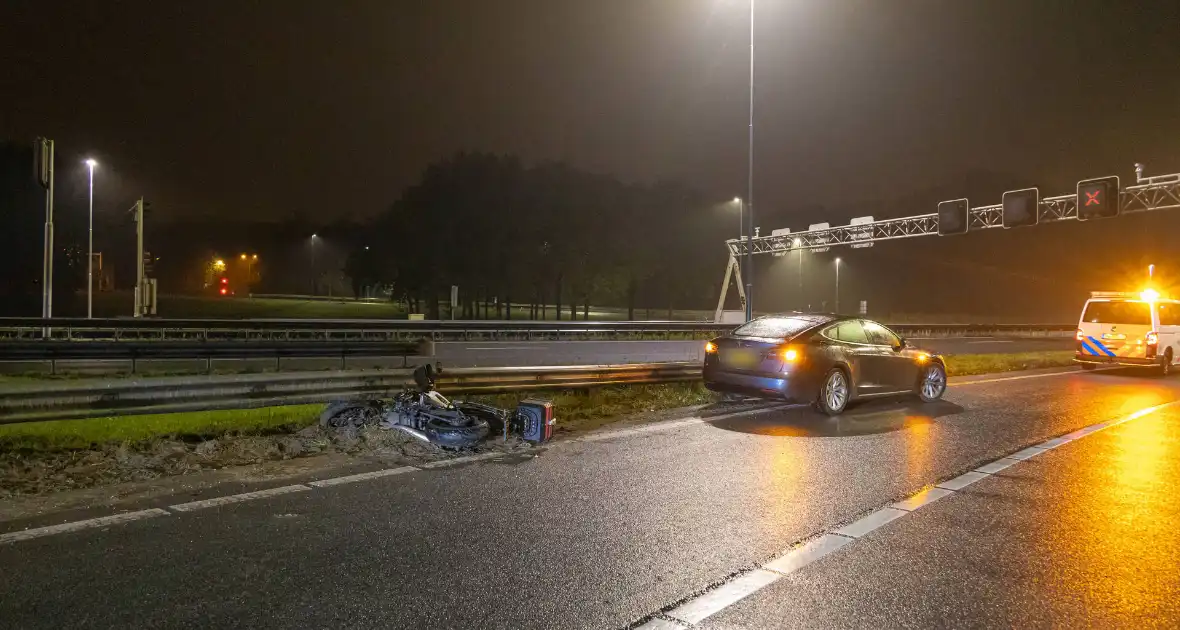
1021 207
953 217
1098 198
224 286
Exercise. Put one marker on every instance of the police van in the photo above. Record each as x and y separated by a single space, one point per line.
1135 329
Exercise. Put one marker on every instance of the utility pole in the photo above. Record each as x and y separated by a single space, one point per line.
140 289
43 150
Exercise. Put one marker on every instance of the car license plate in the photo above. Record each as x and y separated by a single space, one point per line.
741 358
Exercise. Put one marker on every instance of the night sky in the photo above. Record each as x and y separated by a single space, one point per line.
271 109
266 108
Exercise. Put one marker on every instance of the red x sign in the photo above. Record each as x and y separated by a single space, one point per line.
1092 198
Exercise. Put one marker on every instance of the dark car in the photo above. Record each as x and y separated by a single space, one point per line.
826 360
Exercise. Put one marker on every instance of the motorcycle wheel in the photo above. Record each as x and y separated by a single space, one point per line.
495 421
451 436
344 414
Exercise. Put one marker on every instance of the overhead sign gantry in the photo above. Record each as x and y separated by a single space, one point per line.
1093 199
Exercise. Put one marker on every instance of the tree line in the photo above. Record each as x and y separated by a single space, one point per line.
547 234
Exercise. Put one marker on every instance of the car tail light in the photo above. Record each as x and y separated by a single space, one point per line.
1080 336
710 347
1152 338
788 355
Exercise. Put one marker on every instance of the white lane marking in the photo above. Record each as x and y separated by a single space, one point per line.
993 341
237 498
962 481
996 466
1027 453
529 348
1055 442
870 522
376 474
1014 378
673 424
805 554
662 624
925 497
442 463
699 608
651 428
91 523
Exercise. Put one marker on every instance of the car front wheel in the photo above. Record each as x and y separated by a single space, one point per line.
933 383
833 396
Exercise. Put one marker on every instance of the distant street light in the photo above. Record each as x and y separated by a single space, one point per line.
90 248
837 286
798 243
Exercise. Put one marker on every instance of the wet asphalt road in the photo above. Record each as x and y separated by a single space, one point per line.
600 534
1081 536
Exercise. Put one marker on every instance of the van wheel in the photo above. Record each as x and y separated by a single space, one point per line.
1166 363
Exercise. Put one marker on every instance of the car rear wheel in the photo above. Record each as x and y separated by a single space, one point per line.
933 383
833 396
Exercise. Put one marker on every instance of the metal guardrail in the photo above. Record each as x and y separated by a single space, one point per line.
76 329
59 401
371 330
52 351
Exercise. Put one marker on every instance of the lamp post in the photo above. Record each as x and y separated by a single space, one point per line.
749 274
315 286
837 286
797 244
90 248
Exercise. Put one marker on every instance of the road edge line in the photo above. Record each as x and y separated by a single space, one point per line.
73 526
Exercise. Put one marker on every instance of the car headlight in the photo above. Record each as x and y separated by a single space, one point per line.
710 347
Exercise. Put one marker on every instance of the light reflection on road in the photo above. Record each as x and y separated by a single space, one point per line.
1112 531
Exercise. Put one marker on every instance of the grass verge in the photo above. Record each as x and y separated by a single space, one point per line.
968 364
577 410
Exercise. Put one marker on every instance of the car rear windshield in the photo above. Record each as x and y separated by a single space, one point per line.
1138 313
775 327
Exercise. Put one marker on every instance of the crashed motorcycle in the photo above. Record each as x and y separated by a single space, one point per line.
423 412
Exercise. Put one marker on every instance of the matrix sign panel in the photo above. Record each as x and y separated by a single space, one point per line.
1021 207
953 217
1098 198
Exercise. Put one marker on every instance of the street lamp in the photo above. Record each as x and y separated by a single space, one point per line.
837 286
90 248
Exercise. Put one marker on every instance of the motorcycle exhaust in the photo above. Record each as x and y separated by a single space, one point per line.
412 431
